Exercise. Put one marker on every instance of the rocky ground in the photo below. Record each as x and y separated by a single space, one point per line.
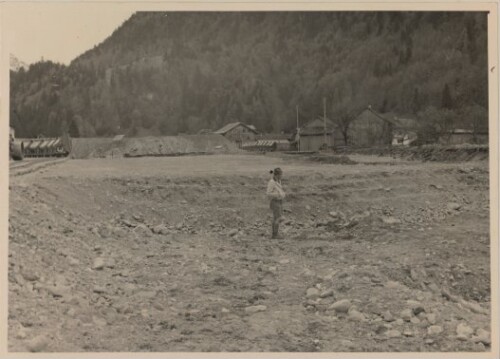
173 254
432 152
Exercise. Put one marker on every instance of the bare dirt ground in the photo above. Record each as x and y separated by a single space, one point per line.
174 254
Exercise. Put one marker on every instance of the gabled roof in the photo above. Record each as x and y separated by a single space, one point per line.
274 136
33 144
319 123
405 123
233 125
466 131
50 143
204 131
316 127
374 113
41 143
265 143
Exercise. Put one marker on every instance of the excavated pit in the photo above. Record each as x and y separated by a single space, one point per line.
174 254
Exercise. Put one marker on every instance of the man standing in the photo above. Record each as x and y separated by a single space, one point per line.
276 194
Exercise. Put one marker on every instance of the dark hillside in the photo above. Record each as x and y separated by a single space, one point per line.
175 73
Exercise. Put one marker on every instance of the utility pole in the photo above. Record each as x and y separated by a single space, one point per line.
324 120
298 130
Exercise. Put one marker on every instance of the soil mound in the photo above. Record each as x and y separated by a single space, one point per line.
456 153
151 146
90 147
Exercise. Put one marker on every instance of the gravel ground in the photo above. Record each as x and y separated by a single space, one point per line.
174 254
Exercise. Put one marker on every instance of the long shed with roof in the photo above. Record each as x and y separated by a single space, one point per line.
459 136
47 147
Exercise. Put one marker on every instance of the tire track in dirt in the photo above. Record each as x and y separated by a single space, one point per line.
31 166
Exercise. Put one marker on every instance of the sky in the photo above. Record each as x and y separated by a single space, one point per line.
61 31
58 31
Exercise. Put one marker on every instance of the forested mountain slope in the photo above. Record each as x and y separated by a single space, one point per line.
178 72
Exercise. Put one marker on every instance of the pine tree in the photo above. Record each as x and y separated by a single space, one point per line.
416 104
446 100
219 67
73 129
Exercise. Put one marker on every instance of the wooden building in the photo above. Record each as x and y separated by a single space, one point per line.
461 136
238 132
314 136
369 129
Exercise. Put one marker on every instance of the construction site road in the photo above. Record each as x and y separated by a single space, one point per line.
30 165
173 254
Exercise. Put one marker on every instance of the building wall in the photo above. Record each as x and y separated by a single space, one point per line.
482 138
283 146
240 134
367 130
314 142
338 139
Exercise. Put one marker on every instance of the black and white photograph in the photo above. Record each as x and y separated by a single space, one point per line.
276 180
